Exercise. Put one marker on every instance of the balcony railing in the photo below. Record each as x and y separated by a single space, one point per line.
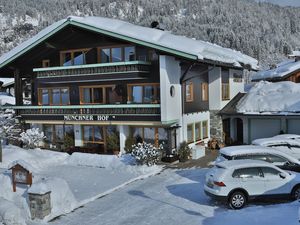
118 109
94 69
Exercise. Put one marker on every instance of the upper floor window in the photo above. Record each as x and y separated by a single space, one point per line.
204 88
144 93
105 94
54 96
189 92
73 57
117 54
225 84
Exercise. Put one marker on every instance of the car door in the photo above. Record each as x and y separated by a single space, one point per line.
274 183
251 180
283 163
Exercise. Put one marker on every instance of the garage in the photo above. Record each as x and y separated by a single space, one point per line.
293 126
262 128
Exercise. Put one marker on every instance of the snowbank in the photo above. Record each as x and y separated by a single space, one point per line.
36 158
10 214
7 100
265 97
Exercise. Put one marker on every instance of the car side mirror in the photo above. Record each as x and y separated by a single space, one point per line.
282 175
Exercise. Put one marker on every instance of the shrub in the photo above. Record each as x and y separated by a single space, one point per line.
113 142
184 152
32 138
146 154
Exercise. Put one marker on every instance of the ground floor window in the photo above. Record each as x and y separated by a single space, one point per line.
153 135
95 138
59 136
197 131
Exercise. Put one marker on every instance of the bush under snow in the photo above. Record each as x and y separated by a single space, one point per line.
32 138
146 154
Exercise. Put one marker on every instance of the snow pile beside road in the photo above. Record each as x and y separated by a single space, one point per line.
37 158
266 97
10 214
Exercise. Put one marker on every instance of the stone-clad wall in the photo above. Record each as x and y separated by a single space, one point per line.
216 127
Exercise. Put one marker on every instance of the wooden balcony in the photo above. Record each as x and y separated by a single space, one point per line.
94 69
120 112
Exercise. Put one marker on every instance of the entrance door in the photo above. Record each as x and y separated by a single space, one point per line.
226 131
239 131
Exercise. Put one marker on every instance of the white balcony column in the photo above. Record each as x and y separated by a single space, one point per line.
123 132
78 135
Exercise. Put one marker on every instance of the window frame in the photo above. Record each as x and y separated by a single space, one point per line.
225 87
72 51
103 128
81 94
190 97
206 130
204 91
143 85
193 133
110 47
50 96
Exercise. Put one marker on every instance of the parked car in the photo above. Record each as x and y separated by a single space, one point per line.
236 182
286 145
277 158
288 136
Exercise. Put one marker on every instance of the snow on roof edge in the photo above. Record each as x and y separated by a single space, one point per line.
200 49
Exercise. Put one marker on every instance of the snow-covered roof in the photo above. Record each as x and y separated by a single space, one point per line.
283 69
271 98
22 163
39 188
162 40
6 99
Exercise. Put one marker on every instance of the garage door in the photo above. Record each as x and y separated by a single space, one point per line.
262 128
293 126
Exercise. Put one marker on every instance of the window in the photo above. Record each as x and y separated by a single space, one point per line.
190 133
56 134
276 159
129 53
151 135
247 173
189 92
73 57
204 88
267 171
205 129
198 131
98 95
46 63
144 93
117 54
54 96
93 134
225 84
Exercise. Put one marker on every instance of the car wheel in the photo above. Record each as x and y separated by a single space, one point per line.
237 200
296 193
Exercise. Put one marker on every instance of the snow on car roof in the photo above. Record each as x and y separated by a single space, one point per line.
254 149
289 136
234 164
275 141
201 50
266 97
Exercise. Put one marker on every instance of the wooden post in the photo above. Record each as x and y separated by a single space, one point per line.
18 88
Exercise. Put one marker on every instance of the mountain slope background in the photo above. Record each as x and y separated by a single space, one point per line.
265 31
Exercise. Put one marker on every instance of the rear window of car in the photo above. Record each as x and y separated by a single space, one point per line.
247 173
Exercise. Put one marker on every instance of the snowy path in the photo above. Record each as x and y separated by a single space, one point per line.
173 197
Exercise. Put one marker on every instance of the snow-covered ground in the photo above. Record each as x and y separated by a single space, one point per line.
73 180
175 197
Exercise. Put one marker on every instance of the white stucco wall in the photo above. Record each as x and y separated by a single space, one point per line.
214 88
170 75
234 87
78 135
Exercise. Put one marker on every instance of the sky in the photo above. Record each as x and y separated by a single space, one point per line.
284 2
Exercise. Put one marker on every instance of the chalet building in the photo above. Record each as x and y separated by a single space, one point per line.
93 78
286 71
